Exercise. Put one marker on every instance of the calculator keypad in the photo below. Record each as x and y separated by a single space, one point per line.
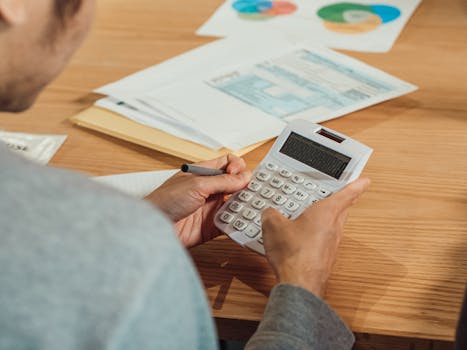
263 176
249 214
235 207
254 186
279 199
300 195
272 186
276 182
240 225
258 204
245 196
285 173
252 231
267 193
288 188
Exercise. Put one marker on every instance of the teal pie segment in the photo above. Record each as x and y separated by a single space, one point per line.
262 9
386 13
252 6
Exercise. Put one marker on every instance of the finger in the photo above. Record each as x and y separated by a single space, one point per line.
346 197
230 162
226 183
271 216
217 163
236 164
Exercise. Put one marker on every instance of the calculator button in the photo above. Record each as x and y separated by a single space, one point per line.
314 201
288 188
271 166
291 205
276 182
257 220
249 214
285 214
300 195
226 217
324 192
254 186
267 193
240 225
235 206
279 199
309 185
285 173
263 176
298 179
252 231
245 196
258 204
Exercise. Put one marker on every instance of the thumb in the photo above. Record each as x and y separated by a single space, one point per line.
271 216
346 197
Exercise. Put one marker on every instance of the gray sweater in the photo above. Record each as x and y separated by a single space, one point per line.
84 267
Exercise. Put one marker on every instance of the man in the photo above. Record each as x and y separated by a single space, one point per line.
82 267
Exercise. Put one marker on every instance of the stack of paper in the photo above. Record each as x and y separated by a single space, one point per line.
235 92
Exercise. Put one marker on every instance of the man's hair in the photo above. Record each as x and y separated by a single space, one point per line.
66 8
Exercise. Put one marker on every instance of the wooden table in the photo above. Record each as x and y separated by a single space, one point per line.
402 267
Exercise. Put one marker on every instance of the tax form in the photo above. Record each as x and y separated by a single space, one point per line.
253 101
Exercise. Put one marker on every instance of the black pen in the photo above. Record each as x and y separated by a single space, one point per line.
199 170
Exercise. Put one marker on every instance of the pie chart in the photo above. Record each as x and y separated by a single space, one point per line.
355 18
263 10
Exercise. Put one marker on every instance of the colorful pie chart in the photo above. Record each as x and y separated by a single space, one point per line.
262 10
355 18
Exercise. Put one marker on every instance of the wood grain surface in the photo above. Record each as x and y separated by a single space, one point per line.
402 267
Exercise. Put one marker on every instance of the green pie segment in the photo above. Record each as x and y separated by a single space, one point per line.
336 13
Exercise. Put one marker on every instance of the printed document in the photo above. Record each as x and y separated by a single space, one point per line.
363 25
245 104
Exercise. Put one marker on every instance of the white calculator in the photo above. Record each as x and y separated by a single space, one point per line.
306 164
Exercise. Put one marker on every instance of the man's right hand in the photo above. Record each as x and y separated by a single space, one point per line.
302 252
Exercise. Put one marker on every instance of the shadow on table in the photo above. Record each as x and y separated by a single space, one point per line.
360 279
221 261
356 278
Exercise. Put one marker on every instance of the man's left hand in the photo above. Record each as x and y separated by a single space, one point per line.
192 201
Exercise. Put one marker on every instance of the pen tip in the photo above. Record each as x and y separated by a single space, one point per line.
184 168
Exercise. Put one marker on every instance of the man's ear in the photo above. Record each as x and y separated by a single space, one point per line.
12 12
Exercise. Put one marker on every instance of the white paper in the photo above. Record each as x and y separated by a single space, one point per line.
154 120
250 103
137 185
366 28
39 148
194 65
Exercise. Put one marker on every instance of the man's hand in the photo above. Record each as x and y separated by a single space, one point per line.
302 252
192 201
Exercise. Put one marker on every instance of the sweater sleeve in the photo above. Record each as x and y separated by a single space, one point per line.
296 319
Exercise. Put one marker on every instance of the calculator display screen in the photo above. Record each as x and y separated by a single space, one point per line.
315 155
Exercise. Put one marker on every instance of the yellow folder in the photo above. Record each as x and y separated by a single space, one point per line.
115 125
